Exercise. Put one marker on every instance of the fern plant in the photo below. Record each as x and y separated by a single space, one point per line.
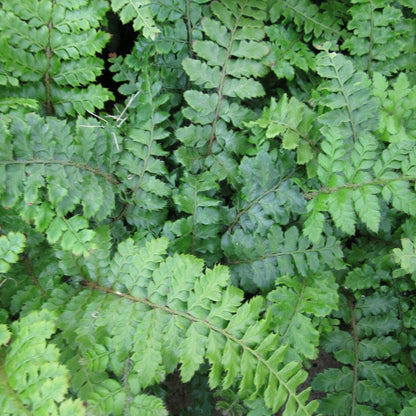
247 202
373 349
49 53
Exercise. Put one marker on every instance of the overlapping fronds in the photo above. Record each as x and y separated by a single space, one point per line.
377 42
372 360
189 233
139 12
151 312
49 49
292 121
308 18
141 167
227 61
353 169
256 261
46 173
203 217
287 52
33 381
398 108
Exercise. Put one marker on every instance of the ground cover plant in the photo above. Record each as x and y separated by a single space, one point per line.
239 197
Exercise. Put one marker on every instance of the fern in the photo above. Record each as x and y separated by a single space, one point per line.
288 52
350 183
49 48
292 121
198 233
308 19
33 380
256 262
376 42
397 108
10 247
367 346
248 202
406 256
180 315
228 60
138 12
365 356
142 171
47 179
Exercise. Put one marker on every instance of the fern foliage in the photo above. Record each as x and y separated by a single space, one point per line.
372 356
11 245
33 380
45 179
49 53
183 315
352 184
247 203
225 66
376 43
139 12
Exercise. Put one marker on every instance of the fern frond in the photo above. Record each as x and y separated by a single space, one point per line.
356 185
267 192
398 108
376 42
307 17
140 13
47 173
226 64
297 303
141 169
366 371
370 341
50 49
199 232
346 92
292 121
11 245
170 308
351 183
255 261
288 52
32 379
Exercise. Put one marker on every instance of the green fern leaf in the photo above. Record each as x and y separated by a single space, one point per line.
397 108
294 302
41 372
308 18
138 12
268 193
52 57
227 61
182 315
199 232
347 94
406 256
255 262
10 247
13 103
287 52
42 174
378 48
293 122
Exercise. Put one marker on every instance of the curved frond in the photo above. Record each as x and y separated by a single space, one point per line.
158 312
